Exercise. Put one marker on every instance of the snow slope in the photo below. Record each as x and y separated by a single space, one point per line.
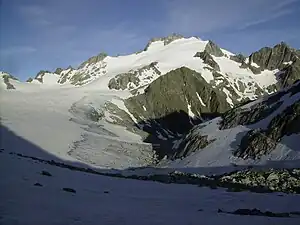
106 200
43 117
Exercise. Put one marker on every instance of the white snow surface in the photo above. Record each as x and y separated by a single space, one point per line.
43 119
106 200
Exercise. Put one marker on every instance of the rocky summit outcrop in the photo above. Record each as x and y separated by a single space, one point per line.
40 75
6 79
208 59
167 40
93 59
29 80
176 98
58 70
273 58
213 49
281 57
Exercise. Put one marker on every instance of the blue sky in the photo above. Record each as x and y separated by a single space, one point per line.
43 35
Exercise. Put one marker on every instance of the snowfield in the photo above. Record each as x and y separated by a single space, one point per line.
28 197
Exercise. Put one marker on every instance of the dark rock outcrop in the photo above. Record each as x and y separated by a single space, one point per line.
167 40
213 49
94 59
71 190
208 59
261 142
247 116
290 74
177 91
29 80
58 71
6 79
191 143
273 58
40 75
131 80
256 212
279 57
238 58
46 173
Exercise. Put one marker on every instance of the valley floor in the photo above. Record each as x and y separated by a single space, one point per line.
29 197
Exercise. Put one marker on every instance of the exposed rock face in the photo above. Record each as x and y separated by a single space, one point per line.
64 77
167 40
94 59
6 78
290 74
254 145
273 58
121 81
79 78
40 75
247 116
238 58
133 79
29 80
208 59
121 118
261 142
191 143
255 113
176 95
58 71
213 49
280 57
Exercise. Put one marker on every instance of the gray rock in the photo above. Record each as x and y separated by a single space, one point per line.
191 144
213 49
6 79
46 173
71 190
238 58
29 80
171 94
167 40
122 81
208 59
94 59
247 116
40 75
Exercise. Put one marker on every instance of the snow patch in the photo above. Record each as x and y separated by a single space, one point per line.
200 99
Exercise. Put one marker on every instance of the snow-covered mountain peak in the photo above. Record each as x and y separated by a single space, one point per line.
239 77
163 40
